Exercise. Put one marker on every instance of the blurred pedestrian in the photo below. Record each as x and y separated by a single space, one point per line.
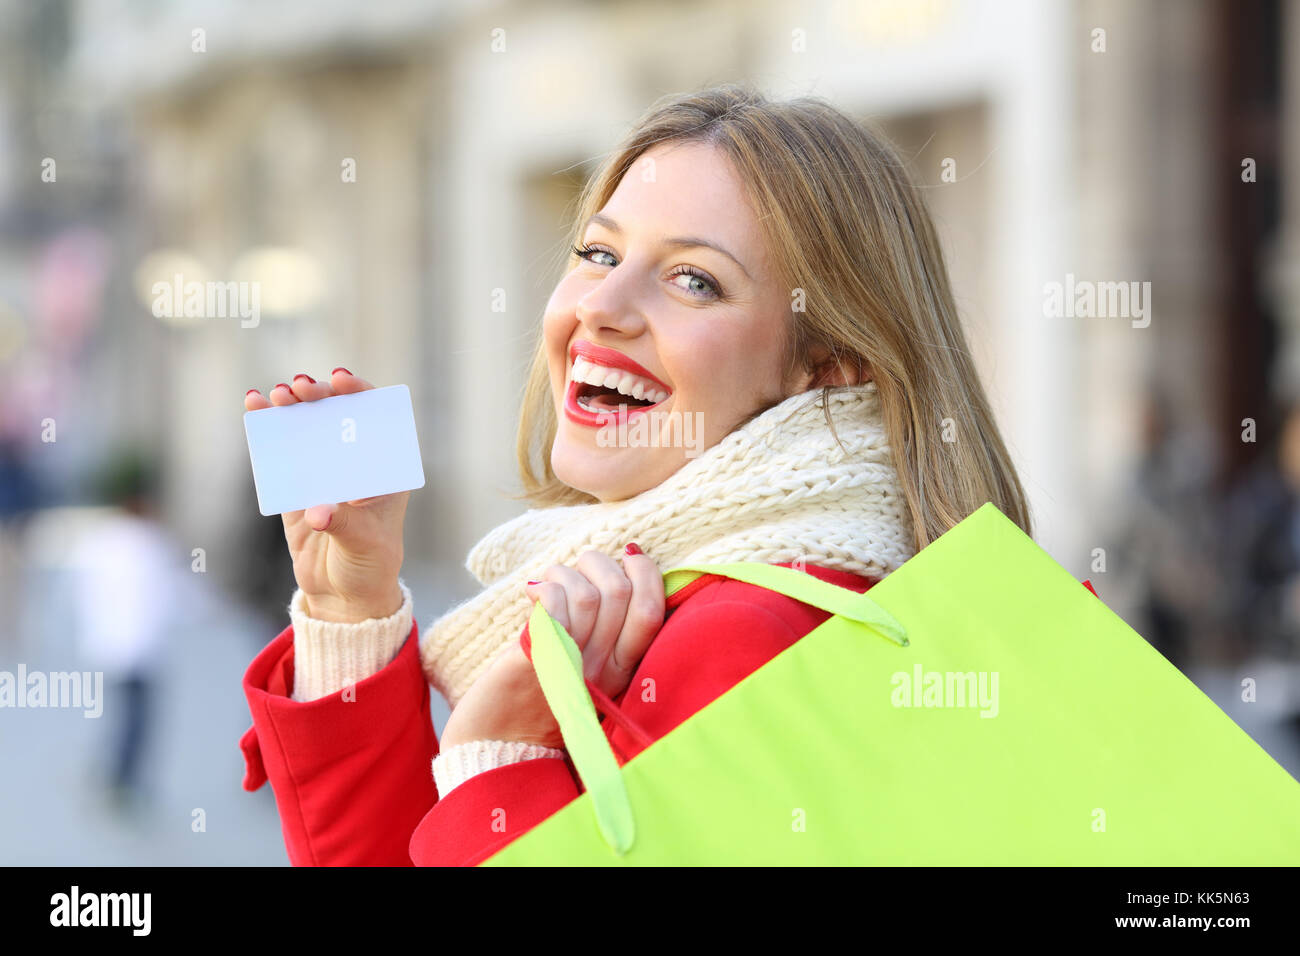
18 498
1263 544
125 601
1168 547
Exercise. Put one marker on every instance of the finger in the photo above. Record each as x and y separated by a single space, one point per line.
615 592
308 389
324 518
581 599
253 400
296 531
282 394
359 502
553 599
345 383
644 619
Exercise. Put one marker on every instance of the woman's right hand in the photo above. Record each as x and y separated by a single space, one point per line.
346 557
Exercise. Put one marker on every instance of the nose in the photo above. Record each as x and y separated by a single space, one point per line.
612 305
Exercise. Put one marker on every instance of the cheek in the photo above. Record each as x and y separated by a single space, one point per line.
553 331
563 302
724 370
558 323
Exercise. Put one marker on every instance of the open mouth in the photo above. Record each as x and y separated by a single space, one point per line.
600 390
601 398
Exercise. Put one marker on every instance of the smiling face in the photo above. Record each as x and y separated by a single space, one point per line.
677 300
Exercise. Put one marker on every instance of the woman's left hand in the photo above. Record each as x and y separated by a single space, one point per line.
611 612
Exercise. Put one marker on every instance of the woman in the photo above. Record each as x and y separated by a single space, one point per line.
761 274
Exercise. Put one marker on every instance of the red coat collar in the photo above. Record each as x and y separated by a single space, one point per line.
845 579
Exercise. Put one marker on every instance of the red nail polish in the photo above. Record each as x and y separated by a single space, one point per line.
341 369
249 392
282 385
632 548
304 375
534 582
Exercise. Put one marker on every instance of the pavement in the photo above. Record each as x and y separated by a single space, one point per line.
55 805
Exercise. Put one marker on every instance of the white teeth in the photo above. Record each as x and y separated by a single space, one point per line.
586 371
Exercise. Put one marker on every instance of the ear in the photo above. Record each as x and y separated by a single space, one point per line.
826 371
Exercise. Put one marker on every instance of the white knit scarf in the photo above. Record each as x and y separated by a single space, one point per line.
777 489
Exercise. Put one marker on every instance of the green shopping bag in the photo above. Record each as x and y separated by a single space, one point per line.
978 706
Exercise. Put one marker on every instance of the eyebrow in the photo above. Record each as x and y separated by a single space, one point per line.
681 242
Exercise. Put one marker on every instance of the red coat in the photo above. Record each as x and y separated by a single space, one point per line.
353 779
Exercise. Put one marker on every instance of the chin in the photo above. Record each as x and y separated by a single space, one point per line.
590 474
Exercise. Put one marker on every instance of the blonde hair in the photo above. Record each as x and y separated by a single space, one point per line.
849 227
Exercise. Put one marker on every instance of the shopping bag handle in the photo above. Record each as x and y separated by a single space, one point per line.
558 663
843 602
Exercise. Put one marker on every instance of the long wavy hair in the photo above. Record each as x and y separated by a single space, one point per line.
849 227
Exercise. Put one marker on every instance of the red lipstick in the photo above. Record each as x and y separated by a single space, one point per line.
609 358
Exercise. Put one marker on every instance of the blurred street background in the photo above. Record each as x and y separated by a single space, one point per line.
384 170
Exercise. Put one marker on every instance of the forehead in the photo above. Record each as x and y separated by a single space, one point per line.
685 189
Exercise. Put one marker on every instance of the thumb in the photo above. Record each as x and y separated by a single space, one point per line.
553 600
325 518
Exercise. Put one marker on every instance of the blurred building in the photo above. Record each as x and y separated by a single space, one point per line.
1095 140
397 179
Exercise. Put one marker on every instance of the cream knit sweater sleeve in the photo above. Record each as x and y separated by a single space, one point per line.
329 656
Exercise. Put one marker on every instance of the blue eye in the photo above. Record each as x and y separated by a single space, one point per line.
699 276
586 252
711 287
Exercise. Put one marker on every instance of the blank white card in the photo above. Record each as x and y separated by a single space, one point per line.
333 450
